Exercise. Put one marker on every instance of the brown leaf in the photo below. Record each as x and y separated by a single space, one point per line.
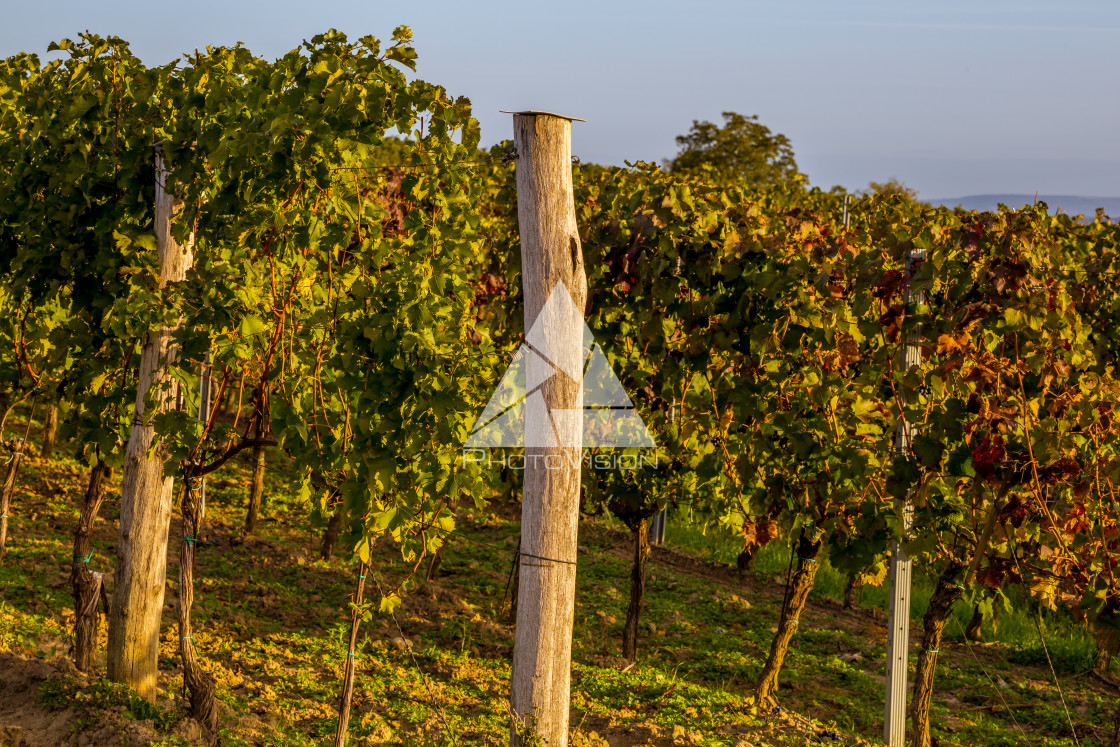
974 312
891 321
890 284
1060 470
1008 277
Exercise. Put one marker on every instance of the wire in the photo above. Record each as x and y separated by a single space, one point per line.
519 552
416 664
1046 650
421 166
988 676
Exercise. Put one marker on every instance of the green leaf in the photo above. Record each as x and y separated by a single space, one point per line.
251 325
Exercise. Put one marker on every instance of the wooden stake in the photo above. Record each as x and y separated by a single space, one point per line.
551 255
898 622
50 432
146 493
341 733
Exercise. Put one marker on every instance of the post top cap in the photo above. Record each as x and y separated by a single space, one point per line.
534 112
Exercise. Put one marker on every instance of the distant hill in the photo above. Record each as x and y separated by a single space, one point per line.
1068 204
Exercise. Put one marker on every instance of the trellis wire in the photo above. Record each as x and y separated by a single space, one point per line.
1046 650
519 552
988 676
416 665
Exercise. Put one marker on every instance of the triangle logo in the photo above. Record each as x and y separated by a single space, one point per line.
517 416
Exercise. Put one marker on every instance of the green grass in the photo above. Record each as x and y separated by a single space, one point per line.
1072 647
101 694
271 621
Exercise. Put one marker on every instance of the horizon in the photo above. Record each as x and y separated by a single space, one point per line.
945 99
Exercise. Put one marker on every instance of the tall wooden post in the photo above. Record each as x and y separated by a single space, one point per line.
146 494
552 262
898 622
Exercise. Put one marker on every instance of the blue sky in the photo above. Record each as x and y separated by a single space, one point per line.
952 97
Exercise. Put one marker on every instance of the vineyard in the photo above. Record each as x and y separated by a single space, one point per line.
251 311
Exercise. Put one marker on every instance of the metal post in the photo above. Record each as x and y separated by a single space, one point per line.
898 624
657 527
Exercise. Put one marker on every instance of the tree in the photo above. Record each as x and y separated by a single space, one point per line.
742 150
890 187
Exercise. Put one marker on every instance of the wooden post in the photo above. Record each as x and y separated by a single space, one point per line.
342 732
50 432
146 493
898 621
551 256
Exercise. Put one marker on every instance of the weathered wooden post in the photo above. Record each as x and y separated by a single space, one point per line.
50 432
146 494
898 624
555 288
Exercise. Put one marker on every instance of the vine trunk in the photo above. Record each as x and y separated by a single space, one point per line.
256 490
330 535
800 585
945 595
89 587
351 657
637 590
7 488
200 684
